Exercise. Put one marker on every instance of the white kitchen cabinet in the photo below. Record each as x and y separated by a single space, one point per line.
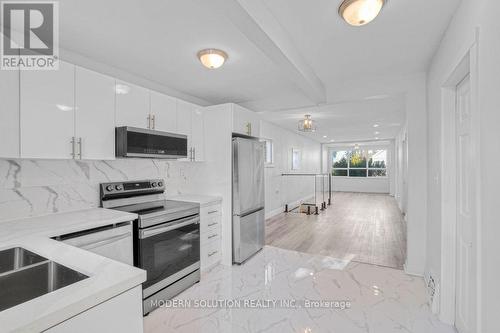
245 121
132 105
95 114
210 233
198 134
190 122
47 117
164 112
122 313
9 113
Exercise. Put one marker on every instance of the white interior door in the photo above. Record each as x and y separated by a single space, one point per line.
465 304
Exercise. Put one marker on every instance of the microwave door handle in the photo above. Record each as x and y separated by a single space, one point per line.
159 230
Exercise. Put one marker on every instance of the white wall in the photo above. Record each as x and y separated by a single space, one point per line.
482 14
282 190
362 185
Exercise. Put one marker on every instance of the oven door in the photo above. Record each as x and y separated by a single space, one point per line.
169 252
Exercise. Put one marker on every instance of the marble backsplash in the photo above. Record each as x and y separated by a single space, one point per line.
38 187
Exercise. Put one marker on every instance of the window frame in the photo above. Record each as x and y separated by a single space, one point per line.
349 151
271 143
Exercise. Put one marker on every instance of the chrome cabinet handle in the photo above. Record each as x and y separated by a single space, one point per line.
149 121
153 119
212 236
79 154
194 153
212 211
73 143
211 224
212 253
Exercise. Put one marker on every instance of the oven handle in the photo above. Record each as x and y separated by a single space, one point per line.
161 229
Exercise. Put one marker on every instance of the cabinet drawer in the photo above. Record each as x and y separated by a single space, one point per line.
211 234
210 253
209 224
213 210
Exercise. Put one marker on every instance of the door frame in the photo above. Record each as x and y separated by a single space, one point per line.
467 64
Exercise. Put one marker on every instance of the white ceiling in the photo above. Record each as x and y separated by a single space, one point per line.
349 121
158 40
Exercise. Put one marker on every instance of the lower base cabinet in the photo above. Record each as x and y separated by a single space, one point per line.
122 313
210 222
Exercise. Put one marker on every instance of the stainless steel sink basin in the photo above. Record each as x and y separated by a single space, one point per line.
32 278
16 258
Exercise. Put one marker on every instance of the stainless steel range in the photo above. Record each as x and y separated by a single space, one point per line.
166 237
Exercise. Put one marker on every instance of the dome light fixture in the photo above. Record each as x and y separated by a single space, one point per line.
307 124
360 12
212 58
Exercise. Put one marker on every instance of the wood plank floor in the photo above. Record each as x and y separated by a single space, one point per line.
360 227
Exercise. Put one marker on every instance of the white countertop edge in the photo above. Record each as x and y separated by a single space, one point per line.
203 200
107 278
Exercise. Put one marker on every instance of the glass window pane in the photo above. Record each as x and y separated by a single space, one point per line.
339 159
377 159
358 159
377 173
269 151
357 172
340 173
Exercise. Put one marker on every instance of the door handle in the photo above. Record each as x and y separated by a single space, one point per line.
149 121
153 119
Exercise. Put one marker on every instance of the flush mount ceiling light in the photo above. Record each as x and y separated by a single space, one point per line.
360 12
212 58
307 124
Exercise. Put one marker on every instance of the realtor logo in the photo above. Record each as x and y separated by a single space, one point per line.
30 35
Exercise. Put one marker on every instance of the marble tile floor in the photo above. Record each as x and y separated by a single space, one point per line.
382 300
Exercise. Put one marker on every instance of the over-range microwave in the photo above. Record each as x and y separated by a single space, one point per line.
146 143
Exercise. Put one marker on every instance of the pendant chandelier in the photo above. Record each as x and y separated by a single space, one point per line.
307 124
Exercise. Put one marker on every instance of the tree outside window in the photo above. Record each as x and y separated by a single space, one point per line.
359 163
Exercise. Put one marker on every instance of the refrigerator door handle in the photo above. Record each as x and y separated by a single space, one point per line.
251 211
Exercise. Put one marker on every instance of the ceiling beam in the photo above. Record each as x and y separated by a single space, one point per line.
258 24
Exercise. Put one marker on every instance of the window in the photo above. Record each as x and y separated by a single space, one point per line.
268 152
296 158
358 163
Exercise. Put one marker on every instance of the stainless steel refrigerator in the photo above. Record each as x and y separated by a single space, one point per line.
248 198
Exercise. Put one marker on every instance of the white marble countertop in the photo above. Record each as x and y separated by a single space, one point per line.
107 278
203 200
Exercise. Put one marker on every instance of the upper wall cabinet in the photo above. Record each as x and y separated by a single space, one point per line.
68 113
132 105
191 123
163 112
9 113
95 114
47 116
245 121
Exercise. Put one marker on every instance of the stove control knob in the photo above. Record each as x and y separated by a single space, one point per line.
119 187
160 184
153 184
110 188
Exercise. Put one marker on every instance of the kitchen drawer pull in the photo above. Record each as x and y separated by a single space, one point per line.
212 224
211 254
212 236
213 211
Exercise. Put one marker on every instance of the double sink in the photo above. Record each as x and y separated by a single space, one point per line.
25 275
